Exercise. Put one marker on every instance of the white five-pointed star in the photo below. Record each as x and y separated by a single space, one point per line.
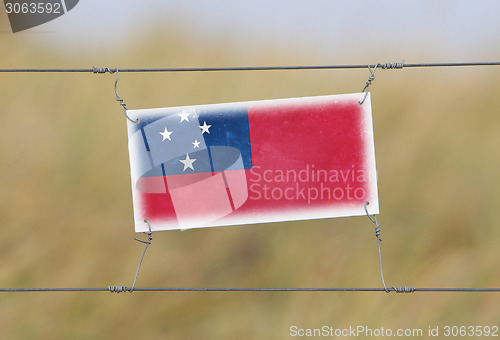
166 134
205 127
184 116
196 144
188 162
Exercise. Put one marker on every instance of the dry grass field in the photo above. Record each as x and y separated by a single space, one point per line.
66 209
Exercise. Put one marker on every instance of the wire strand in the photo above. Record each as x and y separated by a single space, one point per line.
173 289
248 68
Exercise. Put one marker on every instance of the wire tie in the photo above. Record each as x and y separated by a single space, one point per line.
102 70
148 233
404 289
121 289
377 235
392 66
374 220
147 243
117 289
368 82
371 78
118 99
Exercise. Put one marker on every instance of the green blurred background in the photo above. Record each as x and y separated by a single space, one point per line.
65 198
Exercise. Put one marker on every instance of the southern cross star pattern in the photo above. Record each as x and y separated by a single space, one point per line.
252 162
166 136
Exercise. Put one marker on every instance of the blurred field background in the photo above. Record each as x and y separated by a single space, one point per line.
66 209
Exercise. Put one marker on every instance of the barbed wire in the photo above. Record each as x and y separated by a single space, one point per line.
397 65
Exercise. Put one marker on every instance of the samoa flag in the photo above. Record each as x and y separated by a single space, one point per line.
252 162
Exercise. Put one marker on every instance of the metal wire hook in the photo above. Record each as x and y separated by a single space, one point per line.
377 234
147 242
122 289
368 83
118 99
148 233
374 220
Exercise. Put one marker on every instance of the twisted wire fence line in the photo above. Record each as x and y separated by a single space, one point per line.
121 289
397 65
